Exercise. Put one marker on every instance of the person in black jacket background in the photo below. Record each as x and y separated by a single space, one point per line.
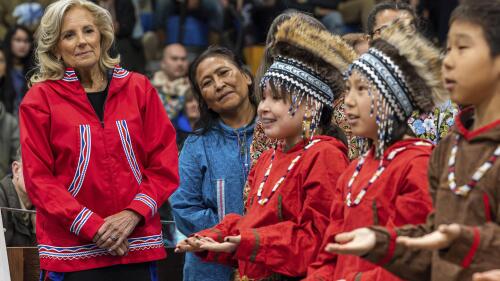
124 18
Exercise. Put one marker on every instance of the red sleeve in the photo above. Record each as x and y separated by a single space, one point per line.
290 246
160 174
45 191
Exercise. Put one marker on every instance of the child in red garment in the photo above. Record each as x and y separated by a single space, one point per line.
461 238
292 186
388 184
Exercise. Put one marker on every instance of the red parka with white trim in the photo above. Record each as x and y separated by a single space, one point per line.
79 170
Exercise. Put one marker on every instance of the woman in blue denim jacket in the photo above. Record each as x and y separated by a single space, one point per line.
215 160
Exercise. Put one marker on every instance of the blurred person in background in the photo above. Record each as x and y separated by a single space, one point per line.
186 123
171 80
22 12
18 51
9 137
383 14
172 84
130 49
9 131
19 227
211 11
360 42
434 125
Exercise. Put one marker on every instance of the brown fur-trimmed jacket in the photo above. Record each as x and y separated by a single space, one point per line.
477 248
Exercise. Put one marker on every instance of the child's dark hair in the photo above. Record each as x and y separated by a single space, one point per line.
485 13
396 6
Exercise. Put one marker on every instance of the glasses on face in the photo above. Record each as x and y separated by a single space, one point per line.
21 40
379 30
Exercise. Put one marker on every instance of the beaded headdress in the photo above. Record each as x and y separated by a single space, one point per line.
406 82
298 47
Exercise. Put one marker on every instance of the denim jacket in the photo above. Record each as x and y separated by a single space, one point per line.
213 168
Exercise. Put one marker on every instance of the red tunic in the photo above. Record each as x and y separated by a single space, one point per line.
398 197
79 170
284 235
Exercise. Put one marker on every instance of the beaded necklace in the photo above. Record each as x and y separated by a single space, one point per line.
263 201
376 175
476 177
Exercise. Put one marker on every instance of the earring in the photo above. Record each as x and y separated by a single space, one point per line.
306 124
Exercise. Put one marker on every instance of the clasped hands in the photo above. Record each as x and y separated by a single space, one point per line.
361 241
197 243
113 234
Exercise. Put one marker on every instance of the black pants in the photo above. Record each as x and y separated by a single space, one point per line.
126 272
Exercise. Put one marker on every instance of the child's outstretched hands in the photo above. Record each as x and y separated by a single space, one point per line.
357 242
228 246
492 275
439 239
190 244
198 243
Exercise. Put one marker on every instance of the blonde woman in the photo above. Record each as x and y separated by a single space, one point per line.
99 152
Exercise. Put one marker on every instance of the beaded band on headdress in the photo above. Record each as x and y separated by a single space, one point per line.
304 83
295 74
386 78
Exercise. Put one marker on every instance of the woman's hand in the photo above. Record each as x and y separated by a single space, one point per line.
121 250
357 242
116 229
439 239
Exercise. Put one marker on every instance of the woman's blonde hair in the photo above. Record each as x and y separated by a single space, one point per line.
48 66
